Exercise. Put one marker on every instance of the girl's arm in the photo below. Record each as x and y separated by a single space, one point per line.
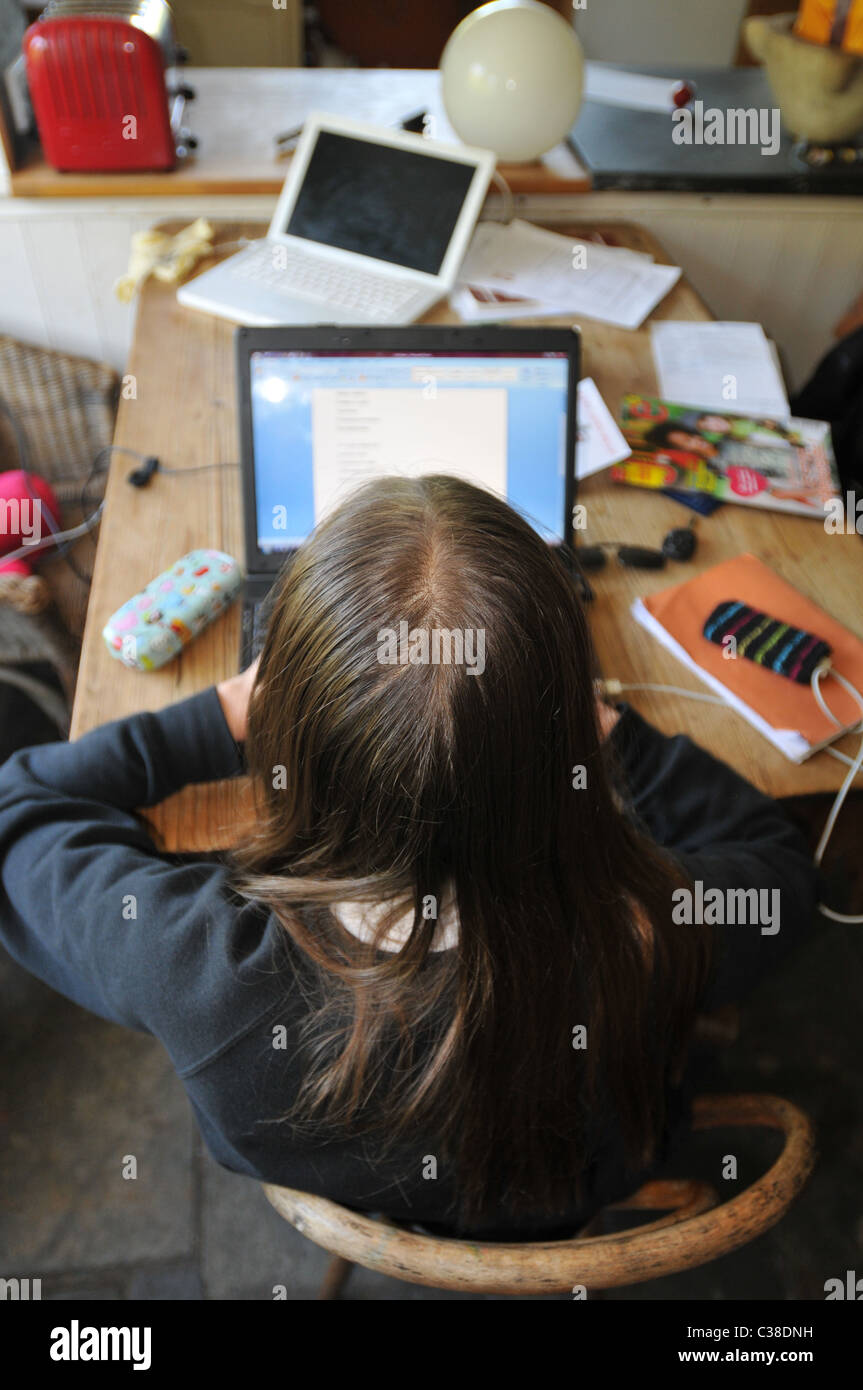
86 901
726 835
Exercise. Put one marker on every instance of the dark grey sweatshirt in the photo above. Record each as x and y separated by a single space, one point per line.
90 906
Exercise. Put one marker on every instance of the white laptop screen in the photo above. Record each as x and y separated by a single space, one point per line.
379 200
323 423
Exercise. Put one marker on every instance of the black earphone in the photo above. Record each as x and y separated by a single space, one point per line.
679 544
140 477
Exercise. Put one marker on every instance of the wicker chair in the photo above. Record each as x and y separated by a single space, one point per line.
56 414
693 1229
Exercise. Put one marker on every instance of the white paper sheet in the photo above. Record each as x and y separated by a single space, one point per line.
362 434
600 442
477 304
571 277
704 364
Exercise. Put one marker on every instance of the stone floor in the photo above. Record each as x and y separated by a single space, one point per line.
79 1096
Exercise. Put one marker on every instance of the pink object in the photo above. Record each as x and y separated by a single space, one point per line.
27 505
746 482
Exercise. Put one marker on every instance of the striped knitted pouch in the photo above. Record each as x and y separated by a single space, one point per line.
777 646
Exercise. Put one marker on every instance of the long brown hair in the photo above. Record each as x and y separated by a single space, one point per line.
401 783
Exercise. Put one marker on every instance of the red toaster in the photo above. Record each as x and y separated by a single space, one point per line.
98 78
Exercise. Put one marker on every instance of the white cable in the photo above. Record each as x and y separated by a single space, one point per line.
855 764
853 692
837 807
25 551
842 757
816 691
843 791
613 687
854 768
503 187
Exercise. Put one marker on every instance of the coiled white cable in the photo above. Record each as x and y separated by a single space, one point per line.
855 764
854 768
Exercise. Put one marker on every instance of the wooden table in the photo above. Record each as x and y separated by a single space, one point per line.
237 113
184 411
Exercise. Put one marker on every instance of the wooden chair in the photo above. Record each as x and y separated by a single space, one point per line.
694 1228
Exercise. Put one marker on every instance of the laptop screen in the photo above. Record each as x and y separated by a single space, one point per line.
378 200
325 422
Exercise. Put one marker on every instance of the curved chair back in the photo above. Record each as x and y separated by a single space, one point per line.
694 1228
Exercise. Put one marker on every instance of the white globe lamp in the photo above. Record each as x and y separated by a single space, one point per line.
512 75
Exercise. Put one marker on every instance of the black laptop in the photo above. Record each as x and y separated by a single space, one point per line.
325 409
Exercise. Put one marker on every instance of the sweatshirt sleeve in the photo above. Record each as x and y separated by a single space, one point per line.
89 905
137 761
726 835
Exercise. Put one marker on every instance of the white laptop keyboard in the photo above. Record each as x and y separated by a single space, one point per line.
381 298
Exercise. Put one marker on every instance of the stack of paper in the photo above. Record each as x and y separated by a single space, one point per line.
515 270
721 366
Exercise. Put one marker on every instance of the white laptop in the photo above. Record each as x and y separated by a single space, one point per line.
371 227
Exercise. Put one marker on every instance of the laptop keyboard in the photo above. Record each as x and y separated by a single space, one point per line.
381 298
253 629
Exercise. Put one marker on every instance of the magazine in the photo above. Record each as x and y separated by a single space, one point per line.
787 465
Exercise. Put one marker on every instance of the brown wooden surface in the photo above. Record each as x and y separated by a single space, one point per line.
694 1231
185 413
236 115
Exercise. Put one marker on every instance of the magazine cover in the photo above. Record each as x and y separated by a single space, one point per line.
787 465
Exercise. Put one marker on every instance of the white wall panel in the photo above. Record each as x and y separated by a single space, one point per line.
795 264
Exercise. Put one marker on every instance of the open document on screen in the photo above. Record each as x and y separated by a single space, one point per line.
323 424
358 435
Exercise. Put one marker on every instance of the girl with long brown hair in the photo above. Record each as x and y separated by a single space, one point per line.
441 975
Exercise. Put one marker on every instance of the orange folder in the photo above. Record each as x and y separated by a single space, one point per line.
683 610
